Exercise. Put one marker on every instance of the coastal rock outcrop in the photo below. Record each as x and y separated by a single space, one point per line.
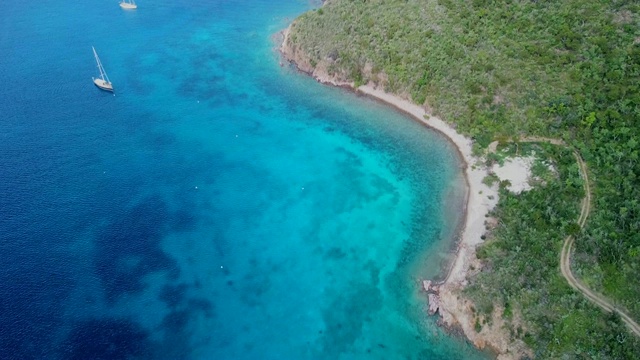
293 53
458 314
434 304
426 285
481 330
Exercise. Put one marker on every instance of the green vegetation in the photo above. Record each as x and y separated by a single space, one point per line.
565 69
521 269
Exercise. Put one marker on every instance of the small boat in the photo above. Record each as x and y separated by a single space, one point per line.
103 81
128 4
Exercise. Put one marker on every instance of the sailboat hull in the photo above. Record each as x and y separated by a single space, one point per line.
128 6
106 86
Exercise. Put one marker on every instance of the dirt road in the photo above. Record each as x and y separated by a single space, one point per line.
565 257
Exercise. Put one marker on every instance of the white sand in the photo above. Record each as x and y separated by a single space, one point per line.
517 171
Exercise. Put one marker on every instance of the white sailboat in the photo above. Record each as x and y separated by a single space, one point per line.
128 4
103 81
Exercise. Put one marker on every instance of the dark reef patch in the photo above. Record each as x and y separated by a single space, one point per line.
345 318
203 305
335 253
130 248
107 339
173 295
32 292
175 321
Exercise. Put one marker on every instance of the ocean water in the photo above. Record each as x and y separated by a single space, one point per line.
220 206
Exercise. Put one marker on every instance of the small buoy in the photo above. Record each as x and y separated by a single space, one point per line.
302 188
198 101
196 188
221 266
236 135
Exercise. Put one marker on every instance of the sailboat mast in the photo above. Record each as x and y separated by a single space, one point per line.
95 54
103 74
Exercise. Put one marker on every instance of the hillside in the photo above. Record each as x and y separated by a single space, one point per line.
500 70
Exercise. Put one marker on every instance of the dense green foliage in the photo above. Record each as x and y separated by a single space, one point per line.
559 68
521 269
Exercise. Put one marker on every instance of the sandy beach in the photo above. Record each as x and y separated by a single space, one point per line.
454 309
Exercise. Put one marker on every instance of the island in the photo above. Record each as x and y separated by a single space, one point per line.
542 100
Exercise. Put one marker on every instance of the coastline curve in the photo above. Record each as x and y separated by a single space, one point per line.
480 198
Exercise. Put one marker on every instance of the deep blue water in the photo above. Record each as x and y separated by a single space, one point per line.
219 206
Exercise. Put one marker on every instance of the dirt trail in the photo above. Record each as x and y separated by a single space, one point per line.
565 256
567 247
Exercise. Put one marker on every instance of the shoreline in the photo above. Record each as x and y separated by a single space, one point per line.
456 312
477 204
454 271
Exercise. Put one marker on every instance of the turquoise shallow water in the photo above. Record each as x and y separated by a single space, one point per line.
219 206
